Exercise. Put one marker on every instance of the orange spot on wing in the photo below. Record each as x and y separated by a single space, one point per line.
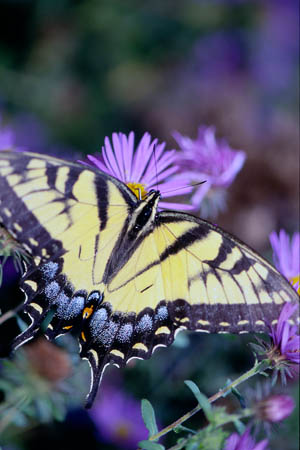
87 312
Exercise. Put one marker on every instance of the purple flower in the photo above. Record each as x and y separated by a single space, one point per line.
6 137
244 442
210 160
286 255
148 167
118 418
274 48
274 408
284 336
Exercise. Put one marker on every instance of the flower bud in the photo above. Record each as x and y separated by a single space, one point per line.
275 408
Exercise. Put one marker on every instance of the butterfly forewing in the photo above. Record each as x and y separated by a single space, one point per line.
59 212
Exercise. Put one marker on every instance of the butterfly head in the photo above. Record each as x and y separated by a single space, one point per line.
143 216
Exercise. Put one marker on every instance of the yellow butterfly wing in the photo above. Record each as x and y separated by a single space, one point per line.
127 276
59 212
185 273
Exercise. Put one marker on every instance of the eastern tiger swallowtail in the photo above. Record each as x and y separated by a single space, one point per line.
125 274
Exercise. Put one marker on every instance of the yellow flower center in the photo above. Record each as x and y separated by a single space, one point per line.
122 430
294 280
138 189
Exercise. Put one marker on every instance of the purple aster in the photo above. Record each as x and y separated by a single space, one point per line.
283 351
286 255
274 408
118 418
147 167
284 336
244 442
210 160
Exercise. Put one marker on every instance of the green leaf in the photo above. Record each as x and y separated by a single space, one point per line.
148 415
240 427
181 428
21 323
228 382
210 438
239 396
201 398
149 445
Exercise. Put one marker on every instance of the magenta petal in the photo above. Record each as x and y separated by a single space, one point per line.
128 159
176 206
261 445
286 253
153 169
141 158
232 442
110 160
119 153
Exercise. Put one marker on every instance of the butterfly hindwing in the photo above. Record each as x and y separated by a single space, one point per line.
184 274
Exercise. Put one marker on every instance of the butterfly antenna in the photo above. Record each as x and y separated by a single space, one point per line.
181 187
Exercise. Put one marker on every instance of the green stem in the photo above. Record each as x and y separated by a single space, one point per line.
257 368
244 414
11 313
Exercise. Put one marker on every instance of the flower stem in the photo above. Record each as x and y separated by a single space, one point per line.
11 313
257 368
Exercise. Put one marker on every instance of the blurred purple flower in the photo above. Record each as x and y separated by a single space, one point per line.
118 418
8 271
285 337
274 408
275 48
218 55
30 133
244 442
6 137
210 160
286 255
148 167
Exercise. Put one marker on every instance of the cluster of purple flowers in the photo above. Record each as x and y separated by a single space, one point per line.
207 163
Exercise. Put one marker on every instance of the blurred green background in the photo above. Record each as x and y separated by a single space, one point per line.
72 72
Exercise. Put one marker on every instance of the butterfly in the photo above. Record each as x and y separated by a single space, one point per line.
124 274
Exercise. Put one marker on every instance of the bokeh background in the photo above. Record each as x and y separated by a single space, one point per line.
72 72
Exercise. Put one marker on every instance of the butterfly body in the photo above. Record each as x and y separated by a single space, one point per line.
123 272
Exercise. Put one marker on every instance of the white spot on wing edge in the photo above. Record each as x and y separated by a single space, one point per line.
95 356
134 357
92 375
182 327
157 346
